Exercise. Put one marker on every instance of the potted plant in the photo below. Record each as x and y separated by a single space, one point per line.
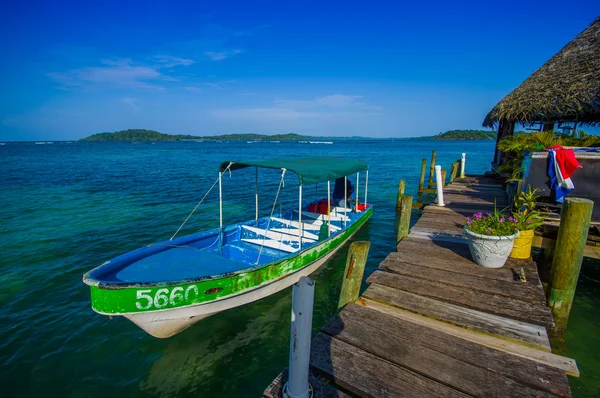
526 218
490 238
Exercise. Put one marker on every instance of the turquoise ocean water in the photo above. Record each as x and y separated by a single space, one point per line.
68 207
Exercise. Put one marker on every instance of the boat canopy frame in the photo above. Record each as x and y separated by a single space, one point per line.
310 170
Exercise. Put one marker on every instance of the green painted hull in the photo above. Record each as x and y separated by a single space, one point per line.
144 299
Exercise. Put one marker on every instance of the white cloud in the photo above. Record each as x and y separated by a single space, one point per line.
167 61
120 72
328 102
130 102
221 55
338 100
257 114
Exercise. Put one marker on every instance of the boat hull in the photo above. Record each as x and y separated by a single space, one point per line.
164 324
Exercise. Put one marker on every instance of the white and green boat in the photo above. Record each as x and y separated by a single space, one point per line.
168 286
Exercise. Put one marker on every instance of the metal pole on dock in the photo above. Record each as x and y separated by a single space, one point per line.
439 186
401 187
355 268
575 220
303 294
463 160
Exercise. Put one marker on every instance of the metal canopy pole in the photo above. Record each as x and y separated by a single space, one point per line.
366 188
328 208
256 195
345 198
356 193
220 202
300 216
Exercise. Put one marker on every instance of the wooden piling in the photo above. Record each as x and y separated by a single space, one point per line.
404 217
422 179
444 177
432 169
454 171
575 219
353 273
401 187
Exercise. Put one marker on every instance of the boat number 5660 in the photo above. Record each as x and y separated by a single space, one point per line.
163 297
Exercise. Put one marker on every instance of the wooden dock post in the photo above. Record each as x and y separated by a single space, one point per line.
404 217
422 180
401 187
575 219
444 177
353 273
432 169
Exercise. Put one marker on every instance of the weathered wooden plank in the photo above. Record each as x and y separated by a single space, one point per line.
568 365
459 233
477 370
457 258
477 300
321 388
512 288
366 375
522 332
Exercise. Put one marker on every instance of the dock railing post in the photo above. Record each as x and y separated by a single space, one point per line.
401 187
463 160
439 186
353 273
444 172
575 220
404 217
303 294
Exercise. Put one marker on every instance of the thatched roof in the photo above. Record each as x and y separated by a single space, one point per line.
566 88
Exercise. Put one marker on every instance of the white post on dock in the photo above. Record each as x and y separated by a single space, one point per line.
356 192
303 294
439 185
463 160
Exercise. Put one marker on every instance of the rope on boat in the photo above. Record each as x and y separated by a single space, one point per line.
262 244
201 200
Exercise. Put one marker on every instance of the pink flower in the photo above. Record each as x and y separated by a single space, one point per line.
528 221
502 219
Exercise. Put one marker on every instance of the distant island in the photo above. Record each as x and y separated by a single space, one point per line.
463 135
152 135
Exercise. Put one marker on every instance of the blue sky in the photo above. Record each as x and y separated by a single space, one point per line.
378 69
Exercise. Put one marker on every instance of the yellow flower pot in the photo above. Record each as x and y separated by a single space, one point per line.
522 246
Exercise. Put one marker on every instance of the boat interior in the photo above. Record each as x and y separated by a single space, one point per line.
241 246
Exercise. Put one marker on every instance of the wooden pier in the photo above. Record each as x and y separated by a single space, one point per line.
432 323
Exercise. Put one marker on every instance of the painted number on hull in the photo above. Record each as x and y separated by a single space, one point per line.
163 297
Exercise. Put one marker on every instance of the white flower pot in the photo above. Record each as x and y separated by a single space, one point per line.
490 251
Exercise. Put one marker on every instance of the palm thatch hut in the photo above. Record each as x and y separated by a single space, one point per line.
564 89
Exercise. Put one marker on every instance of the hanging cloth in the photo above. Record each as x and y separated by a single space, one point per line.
566 160
561 166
